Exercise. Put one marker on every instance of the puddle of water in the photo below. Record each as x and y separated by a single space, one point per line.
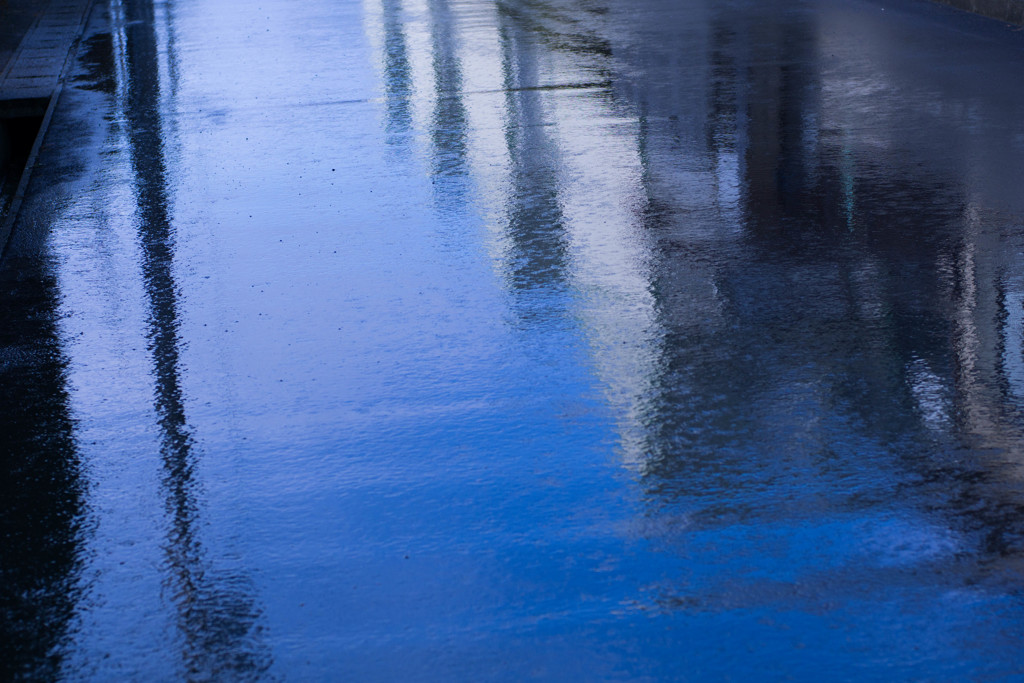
418 339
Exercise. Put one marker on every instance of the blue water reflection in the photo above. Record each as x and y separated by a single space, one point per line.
435 339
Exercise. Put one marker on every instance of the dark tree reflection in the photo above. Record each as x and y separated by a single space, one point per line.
218 616
448 125
397 75
537 261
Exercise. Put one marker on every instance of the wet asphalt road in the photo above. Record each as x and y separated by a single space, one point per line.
489 340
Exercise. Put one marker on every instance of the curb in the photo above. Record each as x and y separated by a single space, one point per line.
32 81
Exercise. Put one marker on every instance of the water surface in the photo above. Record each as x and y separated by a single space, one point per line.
563 339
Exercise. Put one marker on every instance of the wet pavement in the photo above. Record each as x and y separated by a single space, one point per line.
16 19
492 340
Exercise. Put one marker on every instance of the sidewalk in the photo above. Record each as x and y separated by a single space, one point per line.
16 17
35 40
34 45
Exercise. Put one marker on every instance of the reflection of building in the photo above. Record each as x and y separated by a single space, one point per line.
864 302
936 223
767 269
564 205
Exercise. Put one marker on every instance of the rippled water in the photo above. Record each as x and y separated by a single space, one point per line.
475 339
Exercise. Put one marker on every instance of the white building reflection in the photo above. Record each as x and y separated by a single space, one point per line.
756 251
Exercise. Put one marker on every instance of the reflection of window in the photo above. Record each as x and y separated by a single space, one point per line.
1013 342
930 396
